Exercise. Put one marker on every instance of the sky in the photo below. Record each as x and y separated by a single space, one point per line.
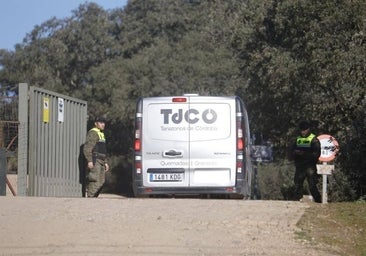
19 17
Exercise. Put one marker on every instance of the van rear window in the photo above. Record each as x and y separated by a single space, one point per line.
193 122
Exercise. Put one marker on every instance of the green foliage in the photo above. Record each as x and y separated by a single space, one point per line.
289 60
339 188
300 67
275 181
270 182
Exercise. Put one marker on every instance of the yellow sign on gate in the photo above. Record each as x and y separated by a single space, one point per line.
46 109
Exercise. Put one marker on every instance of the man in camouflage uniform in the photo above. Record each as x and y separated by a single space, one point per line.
95 152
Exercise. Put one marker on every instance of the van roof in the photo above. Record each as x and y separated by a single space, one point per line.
190 94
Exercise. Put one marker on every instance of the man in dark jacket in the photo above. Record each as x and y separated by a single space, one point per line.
305 153
95 152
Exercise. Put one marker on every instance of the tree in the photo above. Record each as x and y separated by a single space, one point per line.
306 63
59 54
288 60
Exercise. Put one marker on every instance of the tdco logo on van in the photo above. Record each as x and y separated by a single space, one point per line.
191 116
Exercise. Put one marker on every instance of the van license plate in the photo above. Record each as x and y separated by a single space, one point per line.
166 176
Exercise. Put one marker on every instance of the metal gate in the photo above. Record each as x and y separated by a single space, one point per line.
57 129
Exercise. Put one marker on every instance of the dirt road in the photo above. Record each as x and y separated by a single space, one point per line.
127 226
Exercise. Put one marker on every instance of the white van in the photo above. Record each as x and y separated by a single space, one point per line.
192 144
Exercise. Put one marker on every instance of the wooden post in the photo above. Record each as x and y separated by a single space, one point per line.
2 172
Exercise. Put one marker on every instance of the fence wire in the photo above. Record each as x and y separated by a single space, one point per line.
9 125
9 130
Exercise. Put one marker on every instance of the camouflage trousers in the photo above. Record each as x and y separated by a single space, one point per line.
95 179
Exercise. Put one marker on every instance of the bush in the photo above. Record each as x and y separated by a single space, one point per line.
274 181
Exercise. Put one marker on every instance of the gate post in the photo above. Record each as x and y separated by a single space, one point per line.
2 172
23 140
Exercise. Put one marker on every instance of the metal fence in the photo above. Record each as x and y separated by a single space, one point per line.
8 140
51 130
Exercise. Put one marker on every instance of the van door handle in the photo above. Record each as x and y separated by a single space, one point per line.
173 153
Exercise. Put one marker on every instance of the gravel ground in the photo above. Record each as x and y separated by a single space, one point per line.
113 225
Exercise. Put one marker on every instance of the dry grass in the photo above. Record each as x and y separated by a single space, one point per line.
340 227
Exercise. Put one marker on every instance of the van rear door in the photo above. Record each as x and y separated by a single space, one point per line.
212 137
165 144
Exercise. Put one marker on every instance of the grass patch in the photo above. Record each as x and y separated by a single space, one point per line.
341 227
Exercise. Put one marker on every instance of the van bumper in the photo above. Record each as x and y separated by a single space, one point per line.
145 191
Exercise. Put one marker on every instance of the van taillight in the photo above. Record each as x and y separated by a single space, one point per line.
137 134
137 145
239 165
179 99
138 167
240 144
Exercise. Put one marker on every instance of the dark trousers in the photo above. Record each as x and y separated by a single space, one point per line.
309 173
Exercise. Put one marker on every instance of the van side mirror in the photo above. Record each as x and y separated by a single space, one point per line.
261 153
